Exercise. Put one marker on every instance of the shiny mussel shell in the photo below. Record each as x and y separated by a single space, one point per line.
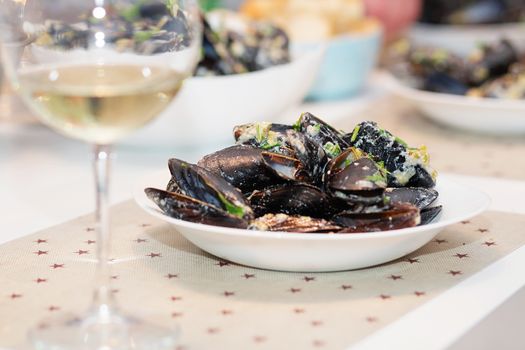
396 216
356 178
293 199
186 208
201 184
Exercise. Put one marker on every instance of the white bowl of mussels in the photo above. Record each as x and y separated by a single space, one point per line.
308 198
247 72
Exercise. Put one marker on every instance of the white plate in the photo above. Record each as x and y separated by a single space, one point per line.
486 115
318 252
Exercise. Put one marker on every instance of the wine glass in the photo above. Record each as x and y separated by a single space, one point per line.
96 70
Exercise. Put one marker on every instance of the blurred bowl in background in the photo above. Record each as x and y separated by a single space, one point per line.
348 62
476 114
207 108
462 39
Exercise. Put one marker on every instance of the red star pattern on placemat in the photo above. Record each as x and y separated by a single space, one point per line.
214 300
81 252
395 277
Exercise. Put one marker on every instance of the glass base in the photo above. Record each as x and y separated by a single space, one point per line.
102 330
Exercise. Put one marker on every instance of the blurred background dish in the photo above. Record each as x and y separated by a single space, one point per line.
207 107
353 39
459 25
474 114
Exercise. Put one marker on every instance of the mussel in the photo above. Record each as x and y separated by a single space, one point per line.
249 168
201 197
356 178
393 217
293 199
406 166
321 133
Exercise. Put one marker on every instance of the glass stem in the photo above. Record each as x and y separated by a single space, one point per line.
103 297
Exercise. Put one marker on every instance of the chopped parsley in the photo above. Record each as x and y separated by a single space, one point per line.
355 132
332 149
230 207
378 178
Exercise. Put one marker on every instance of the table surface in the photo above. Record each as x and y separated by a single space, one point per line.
46 179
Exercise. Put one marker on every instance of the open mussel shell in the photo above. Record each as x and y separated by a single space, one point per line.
322 134
249 168
418 196
396 216
242 166
186 208
290 223
429 214
293 199
355 178
201 184
285 167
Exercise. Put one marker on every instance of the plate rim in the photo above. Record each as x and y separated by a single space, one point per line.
145 203
398 87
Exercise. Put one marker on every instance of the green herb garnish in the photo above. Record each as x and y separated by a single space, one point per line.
332 149
402 142
230 207
377 178
355 132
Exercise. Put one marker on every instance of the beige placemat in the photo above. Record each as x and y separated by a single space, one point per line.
221 305
451 150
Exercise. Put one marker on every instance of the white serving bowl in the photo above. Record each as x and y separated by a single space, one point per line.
207 108
484 115
318 252
462 39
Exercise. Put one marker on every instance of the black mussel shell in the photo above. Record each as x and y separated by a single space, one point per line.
429 214
293 199
494 61
288 223
355 178
287 168
403 166
418 196
322 134
186 208
396 216
444 83
310 154
201 184
242 166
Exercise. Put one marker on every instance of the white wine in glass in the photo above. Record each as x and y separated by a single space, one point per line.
96 70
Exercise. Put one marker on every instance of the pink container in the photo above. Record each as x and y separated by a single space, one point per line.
395 15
